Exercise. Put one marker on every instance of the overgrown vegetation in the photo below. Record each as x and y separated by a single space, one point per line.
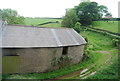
77 27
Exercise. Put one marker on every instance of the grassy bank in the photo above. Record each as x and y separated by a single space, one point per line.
109 70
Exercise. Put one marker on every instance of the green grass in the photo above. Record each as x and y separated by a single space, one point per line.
36 21
98 41
102 43
110 25
109 71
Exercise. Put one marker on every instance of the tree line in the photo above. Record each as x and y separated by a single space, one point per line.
84 14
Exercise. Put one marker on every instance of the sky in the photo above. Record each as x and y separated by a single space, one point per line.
51 8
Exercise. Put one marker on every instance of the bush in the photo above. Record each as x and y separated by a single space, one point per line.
57 22
77 27
116 42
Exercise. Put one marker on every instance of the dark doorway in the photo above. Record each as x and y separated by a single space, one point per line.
65 50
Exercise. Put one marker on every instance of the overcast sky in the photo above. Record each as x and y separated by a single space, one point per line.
51 8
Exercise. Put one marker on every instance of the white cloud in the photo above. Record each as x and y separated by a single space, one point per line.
50 8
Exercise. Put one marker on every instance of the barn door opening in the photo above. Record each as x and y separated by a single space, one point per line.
65 50
10 64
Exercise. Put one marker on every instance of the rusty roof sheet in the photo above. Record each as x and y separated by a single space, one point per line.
22 37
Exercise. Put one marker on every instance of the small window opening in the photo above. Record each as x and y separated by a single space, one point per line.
65 51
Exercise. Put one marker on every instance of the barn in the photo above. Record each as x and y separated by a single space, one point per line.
28 49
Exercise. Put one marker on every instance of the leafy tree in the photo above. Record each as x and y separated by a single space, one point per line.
103 10
89 11
70 18
11 16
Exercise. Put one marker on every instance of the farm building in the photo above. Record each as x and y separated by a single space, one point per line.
28 49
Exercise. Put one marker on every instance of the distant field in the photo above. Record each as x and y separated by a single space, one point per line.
110 25
36 21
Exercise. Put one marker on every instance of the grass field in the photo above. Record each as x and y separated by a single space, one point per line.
36 21
110 25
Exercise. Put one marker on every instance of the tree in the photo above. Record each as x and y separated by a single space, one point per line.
103 10
11 16
89 11
70 18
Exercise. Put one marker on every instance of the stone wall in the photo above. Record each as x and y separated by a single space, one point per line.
76 53
34 60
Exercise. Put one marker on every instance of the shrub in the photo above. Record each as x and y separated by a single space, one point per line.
77 27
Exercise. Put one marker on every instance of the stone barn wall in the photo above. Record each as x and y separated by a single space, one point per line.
76 53
34 59
39 59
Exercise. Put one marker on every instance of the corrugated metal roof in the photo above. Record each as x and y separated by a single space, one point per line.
23 36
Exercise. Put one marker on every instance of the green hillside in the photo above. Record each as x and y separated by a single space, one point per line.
110 25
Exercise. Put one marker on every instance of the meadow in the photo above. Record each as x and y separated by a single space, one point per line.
37 21
110 25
